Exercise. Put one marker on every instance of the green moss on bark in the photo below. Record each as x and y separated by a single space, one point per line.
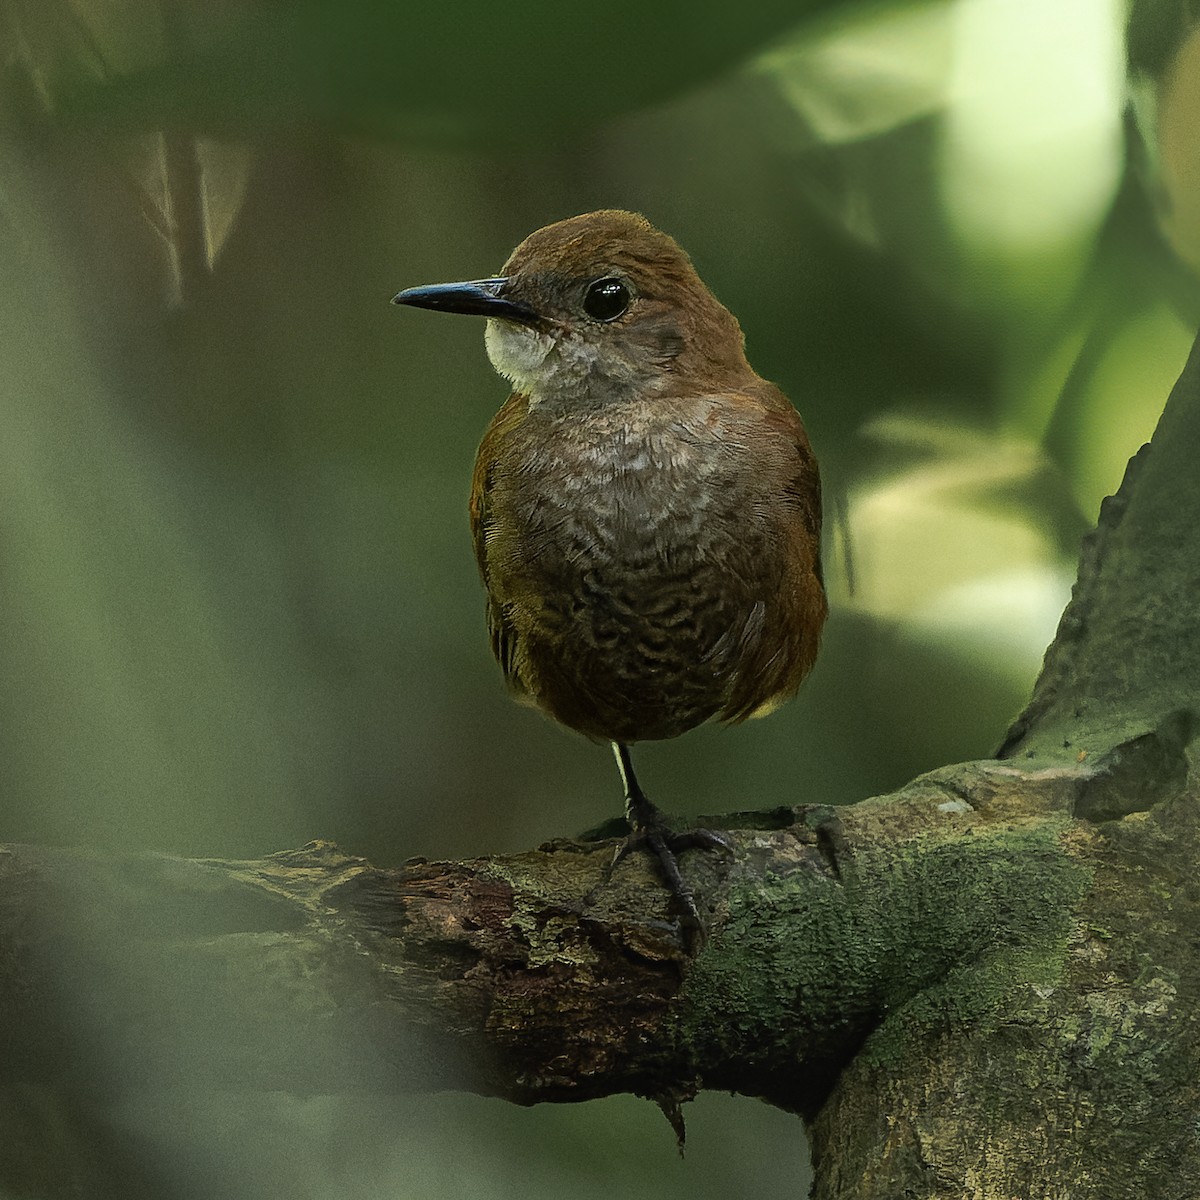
930 930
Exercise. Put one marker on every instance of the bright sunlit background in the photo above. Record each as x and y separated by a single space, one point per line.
240 604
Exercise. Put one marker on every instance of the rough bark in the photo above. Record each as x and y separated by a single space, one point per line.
983 985
534 977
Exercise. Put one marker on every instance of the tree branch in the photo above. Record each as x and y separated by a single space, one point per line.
534 977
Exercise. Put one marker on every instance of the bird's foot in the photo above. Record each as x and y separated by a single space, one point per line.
648 830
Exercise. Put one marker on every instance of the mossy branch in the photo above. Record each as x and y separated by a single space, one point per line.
537 977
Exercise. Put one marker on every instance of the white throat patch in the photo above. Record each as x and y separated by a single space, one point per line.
518 353
564 368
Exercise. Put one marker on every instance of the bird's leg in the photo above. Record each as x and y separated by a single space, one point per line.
648 829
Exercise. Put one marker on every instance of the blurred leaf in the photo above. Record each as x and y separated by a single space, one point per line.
1032 150
457 69
1136 304
958 536
1163 48
1155 31
166 201
1178 153
868 73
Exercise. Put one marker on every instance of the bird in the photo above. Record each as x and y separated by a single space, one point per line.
646 510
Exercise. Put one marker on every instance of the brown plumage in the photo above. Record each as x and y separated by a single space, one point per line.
646 510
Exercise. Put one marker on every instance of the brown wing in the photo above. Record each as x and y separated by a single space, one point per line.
491 451
803 483
780 646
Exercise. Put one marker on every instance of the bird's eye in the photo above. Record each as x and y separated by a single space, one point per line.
606 299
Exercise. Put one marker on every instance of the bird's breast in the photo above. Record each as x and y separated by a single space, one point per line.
636 557
641 504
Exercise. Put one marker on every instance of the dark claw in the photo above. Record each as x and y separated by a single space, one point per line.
650 831
661 847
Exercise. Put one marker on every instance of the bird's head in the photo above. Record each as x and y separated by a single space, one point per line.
598 308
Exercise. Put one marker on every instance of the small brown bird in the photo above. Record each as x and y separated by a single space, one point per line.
646 509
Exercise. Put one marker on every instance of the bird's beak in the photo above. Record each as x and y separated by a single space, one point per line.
480 297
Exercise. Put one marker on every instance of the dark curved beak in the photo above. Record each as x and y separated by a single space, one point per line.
480 297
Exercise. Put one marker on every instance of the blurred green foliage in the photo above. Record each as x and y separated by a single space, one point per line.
240 604
452 71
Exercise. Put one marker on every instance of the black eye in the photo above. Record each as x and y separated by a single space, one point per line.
606 299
